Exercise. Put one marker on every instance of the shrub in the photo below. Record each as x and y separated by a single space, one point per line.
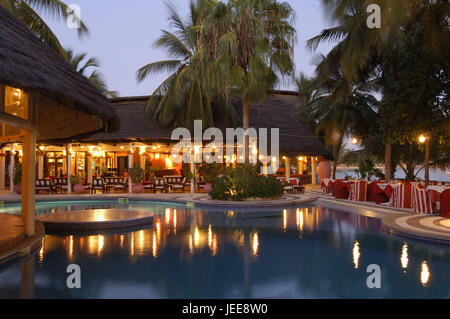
244 181
137 174
17 174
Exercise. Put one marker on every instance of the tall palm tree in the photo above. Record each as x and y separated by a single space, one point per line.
251 43
26 11
81 64
361 50
183 97
337 108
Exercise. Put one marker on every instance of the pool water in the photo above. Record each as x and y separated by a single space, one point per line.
298 252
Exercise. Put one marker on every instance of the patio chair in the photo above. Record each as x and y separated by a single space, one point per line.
179 185
288 188
44 185
297 187
120 184
98 184
148 186
160 184
200 183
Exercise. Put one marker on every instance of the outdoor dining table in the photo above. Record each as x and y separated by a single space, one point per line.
441 195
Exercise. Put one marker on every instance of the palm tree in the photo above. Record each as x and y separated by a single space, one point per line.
81 64
361 51
251 43
337 108
182 97
25 10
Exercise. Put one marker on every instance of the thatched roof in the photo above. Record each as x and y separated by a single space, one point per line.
29 64
277 111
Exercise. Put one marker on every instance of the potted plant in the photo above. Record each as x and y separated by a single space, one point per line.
18 179
209 172
77 184
137 174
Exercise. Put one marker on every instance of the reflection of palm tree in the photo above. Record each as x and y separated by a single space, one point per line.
80 64
24 10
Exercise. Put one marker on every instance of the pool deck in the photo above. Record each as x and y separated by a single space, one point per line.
401 222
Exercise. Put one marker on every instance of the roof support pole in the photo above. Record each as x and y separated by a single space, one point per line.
69 167
40 165
28 181
2 170
11 168
314 170
130 166
89 167
300 167
287 163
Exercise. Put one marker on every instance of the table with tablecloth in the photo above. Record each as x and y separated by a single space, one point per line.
379 192
440 196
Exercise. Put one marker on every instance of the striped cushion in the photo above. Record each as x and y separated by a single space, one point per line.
422 201
402 196
358 191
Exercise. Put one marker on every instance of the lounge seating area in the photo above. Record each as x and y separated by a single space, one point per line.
410 195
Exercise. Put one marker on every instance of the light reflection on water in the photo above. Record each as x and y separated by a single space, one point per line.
301 252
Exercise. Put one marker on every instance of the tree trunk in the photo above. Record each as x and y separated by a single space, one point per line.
245 126
427 161
337 151
388 162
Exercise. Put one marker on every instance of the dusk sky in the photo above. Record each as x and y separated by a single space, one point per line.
122 37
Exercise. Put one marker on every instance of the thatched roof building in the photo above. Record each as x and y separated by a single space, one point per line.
27 63
277 111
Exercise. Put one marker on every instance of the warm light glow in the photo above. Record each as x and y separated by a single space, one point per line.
284 219
175 221
300 219
154 246
424 274
167 214
354 141
422 139
141 150
255 244
196 149
300 159
196 237
101 243
42 148
404 259
169 163
356 254
122 147
157 155
70 247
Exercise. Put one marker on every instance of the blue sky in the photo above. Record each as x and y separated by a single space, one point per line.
122 36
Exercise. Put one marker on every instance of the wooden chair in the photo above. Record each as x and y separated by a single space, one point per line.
179 185
98 184
160 184
44 185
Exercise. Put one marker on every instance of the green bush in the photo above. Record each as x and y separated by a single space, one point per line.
244 181
137 174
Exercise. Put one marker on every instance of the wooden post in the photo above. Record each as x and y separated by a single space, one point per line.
427 161
40 166
287 164
11 168
313 170
130 165
193 174
2 170
300 167
69 168
89 168
28 181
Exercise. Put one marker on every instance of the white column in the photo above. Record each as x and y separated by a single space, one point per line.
11 169
130 165
314 170
40 166
2 170
143 159
287 164
69 167
300 167
89 168
265 169
28 181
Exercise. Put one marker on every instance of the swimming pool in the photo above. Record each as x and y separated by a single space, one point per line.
297 252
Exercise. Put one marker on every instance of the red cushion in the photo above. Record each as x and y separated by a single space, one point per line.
445 204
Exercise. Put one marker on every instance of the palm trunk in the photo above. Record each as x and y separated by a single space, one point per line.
427 162
246 124
388 162
337 151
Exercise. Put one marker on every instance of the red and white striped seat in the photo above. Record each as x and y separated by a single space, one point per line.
402 196
358 191
422 201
